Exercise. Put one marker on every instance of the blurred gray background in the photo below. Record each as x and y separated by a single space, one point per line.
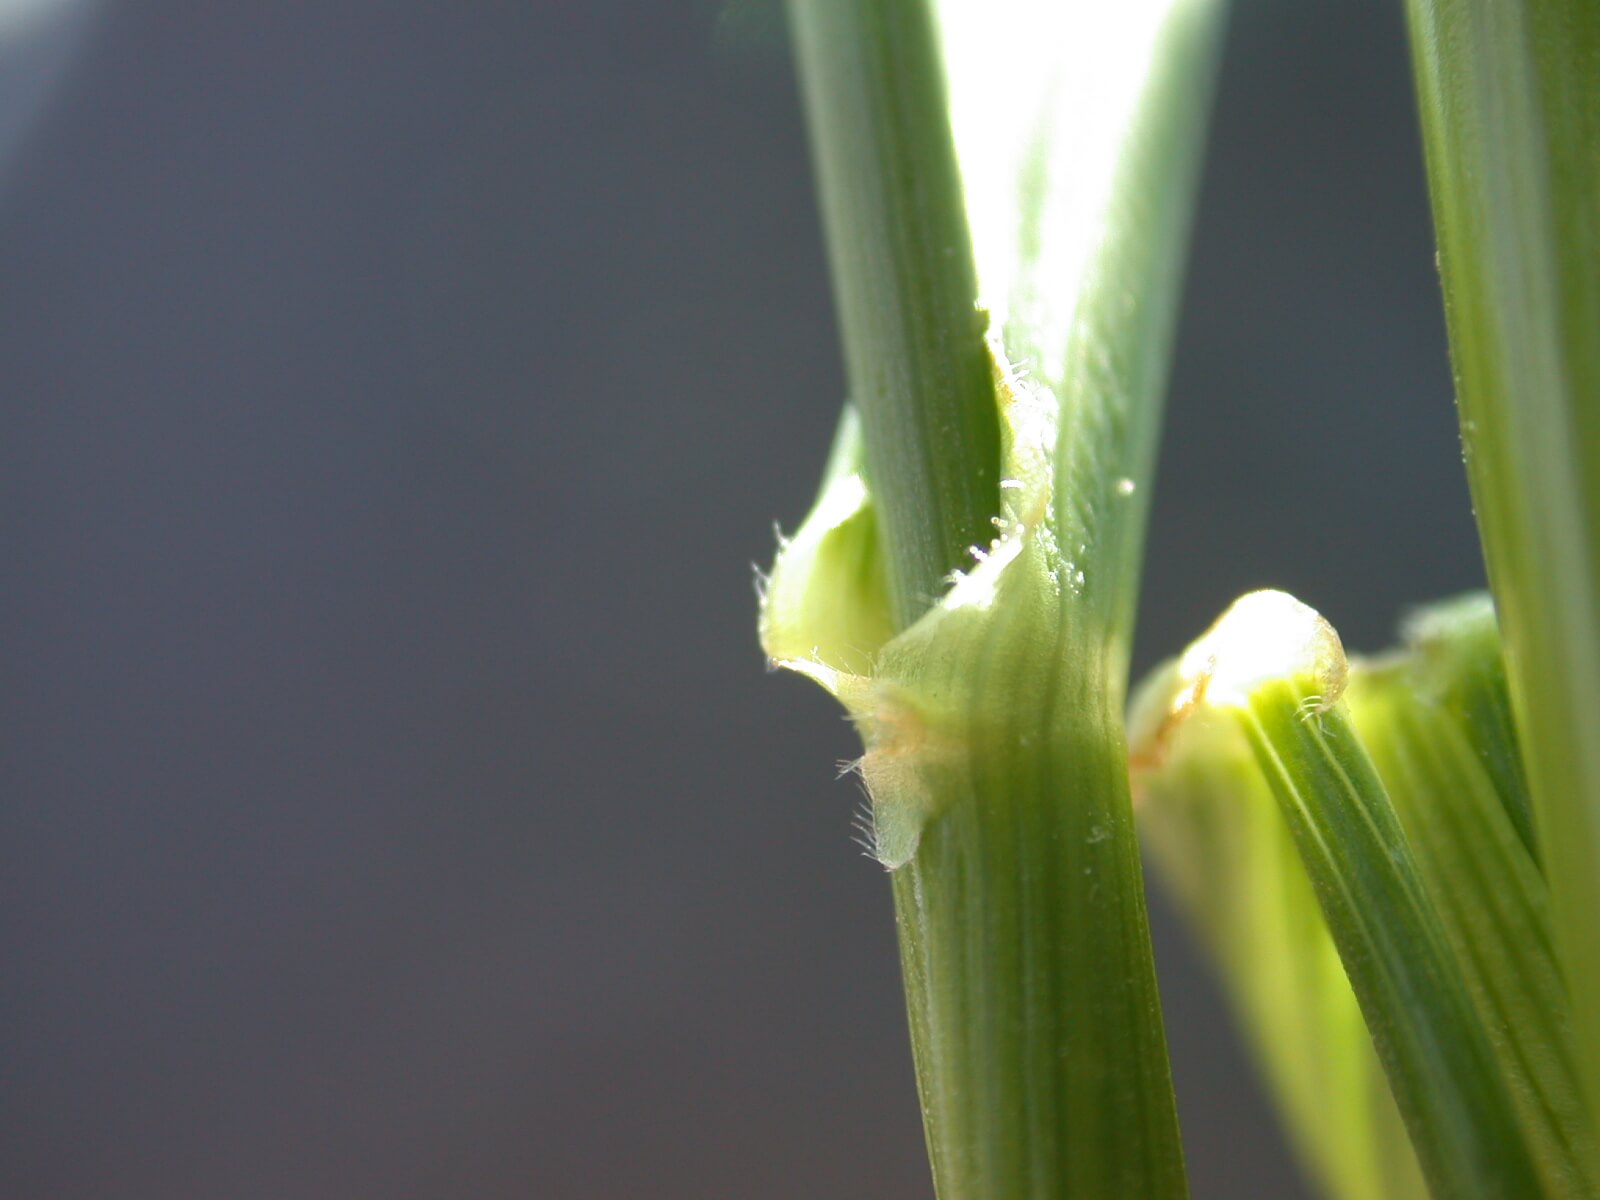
396 396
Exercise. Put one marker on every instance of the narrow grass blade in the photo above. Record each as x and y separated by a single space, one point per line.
1078 129
1209 819
1277 669
1428 717
903 280
1511 123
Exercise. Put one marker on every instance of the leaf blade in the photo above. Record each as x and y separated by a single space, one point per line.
904 285
1212 825
1511 126
1422 716
1276 670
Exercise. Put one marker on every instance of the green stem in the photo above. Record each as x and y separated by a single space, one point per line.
992 722
904 283
1034 1011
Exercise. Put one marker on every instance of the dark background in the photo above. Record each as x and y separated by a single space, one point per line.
396 396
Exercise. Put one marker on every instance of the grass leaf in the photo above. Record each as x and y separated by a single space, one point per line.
1277 670
1213 828
1423 716
1511 124
903 283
